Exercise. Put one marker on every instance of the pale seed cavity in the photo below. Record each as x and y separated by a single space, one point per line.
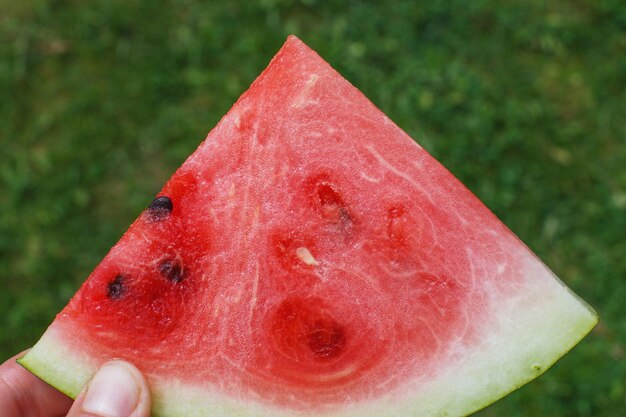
332 204
395 220
160 208
116 288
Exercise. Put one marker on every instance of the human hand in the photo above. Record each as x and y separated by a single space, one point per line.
118 389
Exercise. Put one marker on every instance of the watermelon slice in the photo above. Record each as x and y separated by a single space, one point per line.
311 259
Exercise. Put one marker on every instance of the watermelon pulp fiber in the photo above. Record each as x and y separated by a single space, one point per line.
309 258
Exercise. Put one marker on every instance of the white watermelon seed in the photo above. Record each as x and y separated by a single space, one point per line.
305 256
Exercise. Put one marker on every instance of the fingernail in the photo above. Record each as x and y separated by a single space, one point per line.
113 392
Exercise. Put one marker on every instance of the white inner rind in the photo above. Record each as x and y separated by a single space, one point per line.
528 332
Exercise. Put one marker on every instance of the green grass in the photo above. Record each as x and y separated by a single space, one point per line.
523 101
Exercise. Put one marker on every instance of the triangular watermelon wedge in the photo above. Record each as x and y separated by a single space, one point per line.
311 259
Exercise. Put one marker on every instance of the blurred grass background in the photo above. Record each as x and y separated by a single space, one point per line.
523 100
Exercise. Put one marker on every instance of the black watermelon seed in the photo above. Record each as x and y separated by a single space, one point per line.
116 288
160 208
172 270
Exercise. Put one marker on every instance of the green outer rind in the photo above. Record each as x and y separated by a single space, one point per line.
48 372
531 331
543 370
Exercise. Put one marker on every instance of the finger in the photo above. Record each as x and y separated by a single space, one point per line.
22 394
118 389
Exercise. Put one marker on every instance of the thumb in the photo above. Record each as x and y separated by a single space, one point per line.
118 389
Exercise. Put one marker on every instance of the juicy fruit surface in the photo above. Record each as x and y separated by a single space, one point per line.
302 281
308 254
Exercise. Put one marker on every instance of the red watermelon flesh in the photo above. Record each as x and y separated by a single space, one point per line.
310 258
